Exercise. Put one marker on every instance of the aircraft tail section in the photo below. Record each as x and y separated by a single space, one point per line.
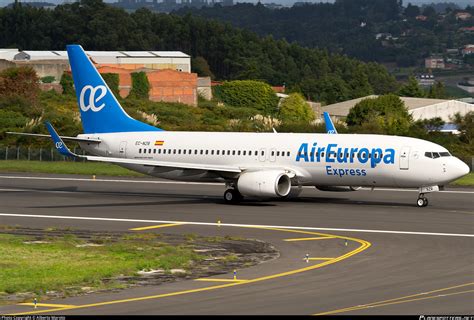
100 110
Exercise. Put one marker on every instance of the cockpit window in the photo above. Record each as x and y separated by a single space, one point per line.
434 155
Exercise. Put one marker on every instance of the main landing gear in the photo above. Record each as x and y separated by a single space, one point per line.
422 201
232 196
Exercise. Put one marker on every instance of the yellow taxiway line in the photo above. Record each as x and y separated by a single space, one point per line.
52 305
157 226
403 299
364 245
219 280
308 239
319 259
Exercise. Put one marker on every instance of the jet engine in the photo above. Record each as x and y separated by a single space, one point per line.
270 183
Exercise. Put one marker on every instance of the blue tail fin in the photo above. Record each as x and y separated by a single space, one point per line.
330 128
100 110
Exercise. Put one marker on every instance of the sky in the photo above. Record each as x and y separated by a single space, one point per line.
461 3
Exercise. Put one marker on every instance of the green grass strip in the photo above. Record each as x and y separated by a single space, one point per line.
60 263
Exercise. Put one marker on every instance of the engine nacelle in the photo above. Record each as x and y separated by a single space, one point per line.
268 183
338 188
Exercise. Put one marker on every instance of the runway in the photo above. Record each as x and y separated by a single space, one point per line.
399 259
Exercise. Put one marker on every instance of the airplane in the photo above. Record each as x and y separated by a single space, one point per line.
256 165
330 128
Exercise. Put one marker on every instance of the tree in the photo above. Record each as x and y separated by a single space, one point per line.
67 84
412 11
140 86
201 67
411 89
437 91
21 81
385 114
466 127
249 93
295 109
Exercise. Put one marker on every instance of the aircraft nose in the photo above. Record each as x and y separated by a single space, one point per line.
460 169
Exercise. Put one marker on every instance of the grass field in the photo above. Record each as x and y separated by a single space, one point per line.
66 167
105 169
61 263
465 181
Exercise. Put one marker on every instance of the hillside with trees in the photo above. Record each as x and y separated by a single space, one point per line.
371 30
224 51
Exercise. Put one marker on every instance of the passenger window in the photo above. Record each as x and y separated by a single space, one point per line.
273 153
212 152
154 150
207 152
195 151
278 153
202 151
288 154
174 151
233 152
159 151
149 150
244 152
256 153
217 152
140 150
238 152
184 151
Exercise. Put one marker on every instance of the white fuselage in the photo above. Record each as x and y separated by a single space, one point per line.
353 160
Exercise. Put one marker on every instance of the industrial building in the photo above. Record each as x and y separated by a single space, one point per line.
419 108
169 72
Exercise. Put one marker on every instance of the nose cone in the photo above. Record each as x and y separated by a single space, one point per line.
460 169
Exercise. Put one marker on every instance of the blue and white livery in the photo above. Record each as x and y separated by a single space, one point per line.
251 164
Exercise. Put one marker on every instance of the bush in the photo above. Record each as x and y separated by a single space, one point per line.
295 109
112 80
140 86
386 114
21 81
48 79
67 84
249 93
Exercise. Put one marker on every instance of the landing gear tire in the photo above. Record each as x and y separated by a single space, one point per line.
232 196
422 202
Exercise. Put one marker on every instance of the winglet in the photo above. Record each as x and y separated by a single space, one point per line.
330 128
58 142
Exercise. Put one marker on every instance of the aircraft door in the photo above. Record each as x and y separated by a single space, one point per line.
404 158
123 149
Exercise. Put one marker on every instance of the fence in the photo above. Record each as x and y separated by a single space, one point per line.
37 154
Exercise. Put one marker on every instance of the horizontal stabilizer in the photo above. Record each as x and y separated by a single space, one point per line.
62 137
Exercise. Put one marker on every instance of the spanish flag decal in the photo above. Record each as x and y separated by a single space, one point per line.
159 142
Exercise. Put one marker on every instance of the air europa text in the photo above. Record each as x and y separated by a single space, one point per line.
334 154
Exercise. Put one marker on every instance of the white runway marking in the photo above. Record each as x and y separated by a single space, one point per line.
196 183
235 225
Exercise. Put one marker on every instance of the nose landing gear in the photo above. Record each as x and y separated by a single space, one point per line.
422 201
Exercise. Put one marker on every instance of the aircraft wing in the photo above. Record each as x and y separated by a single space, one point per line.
62 137
64 150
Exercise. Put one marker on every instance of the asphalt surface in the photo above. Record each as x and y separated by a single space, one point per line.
399 259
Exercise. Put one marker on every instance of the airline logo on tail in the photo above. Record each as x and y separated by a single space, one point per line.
95 95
